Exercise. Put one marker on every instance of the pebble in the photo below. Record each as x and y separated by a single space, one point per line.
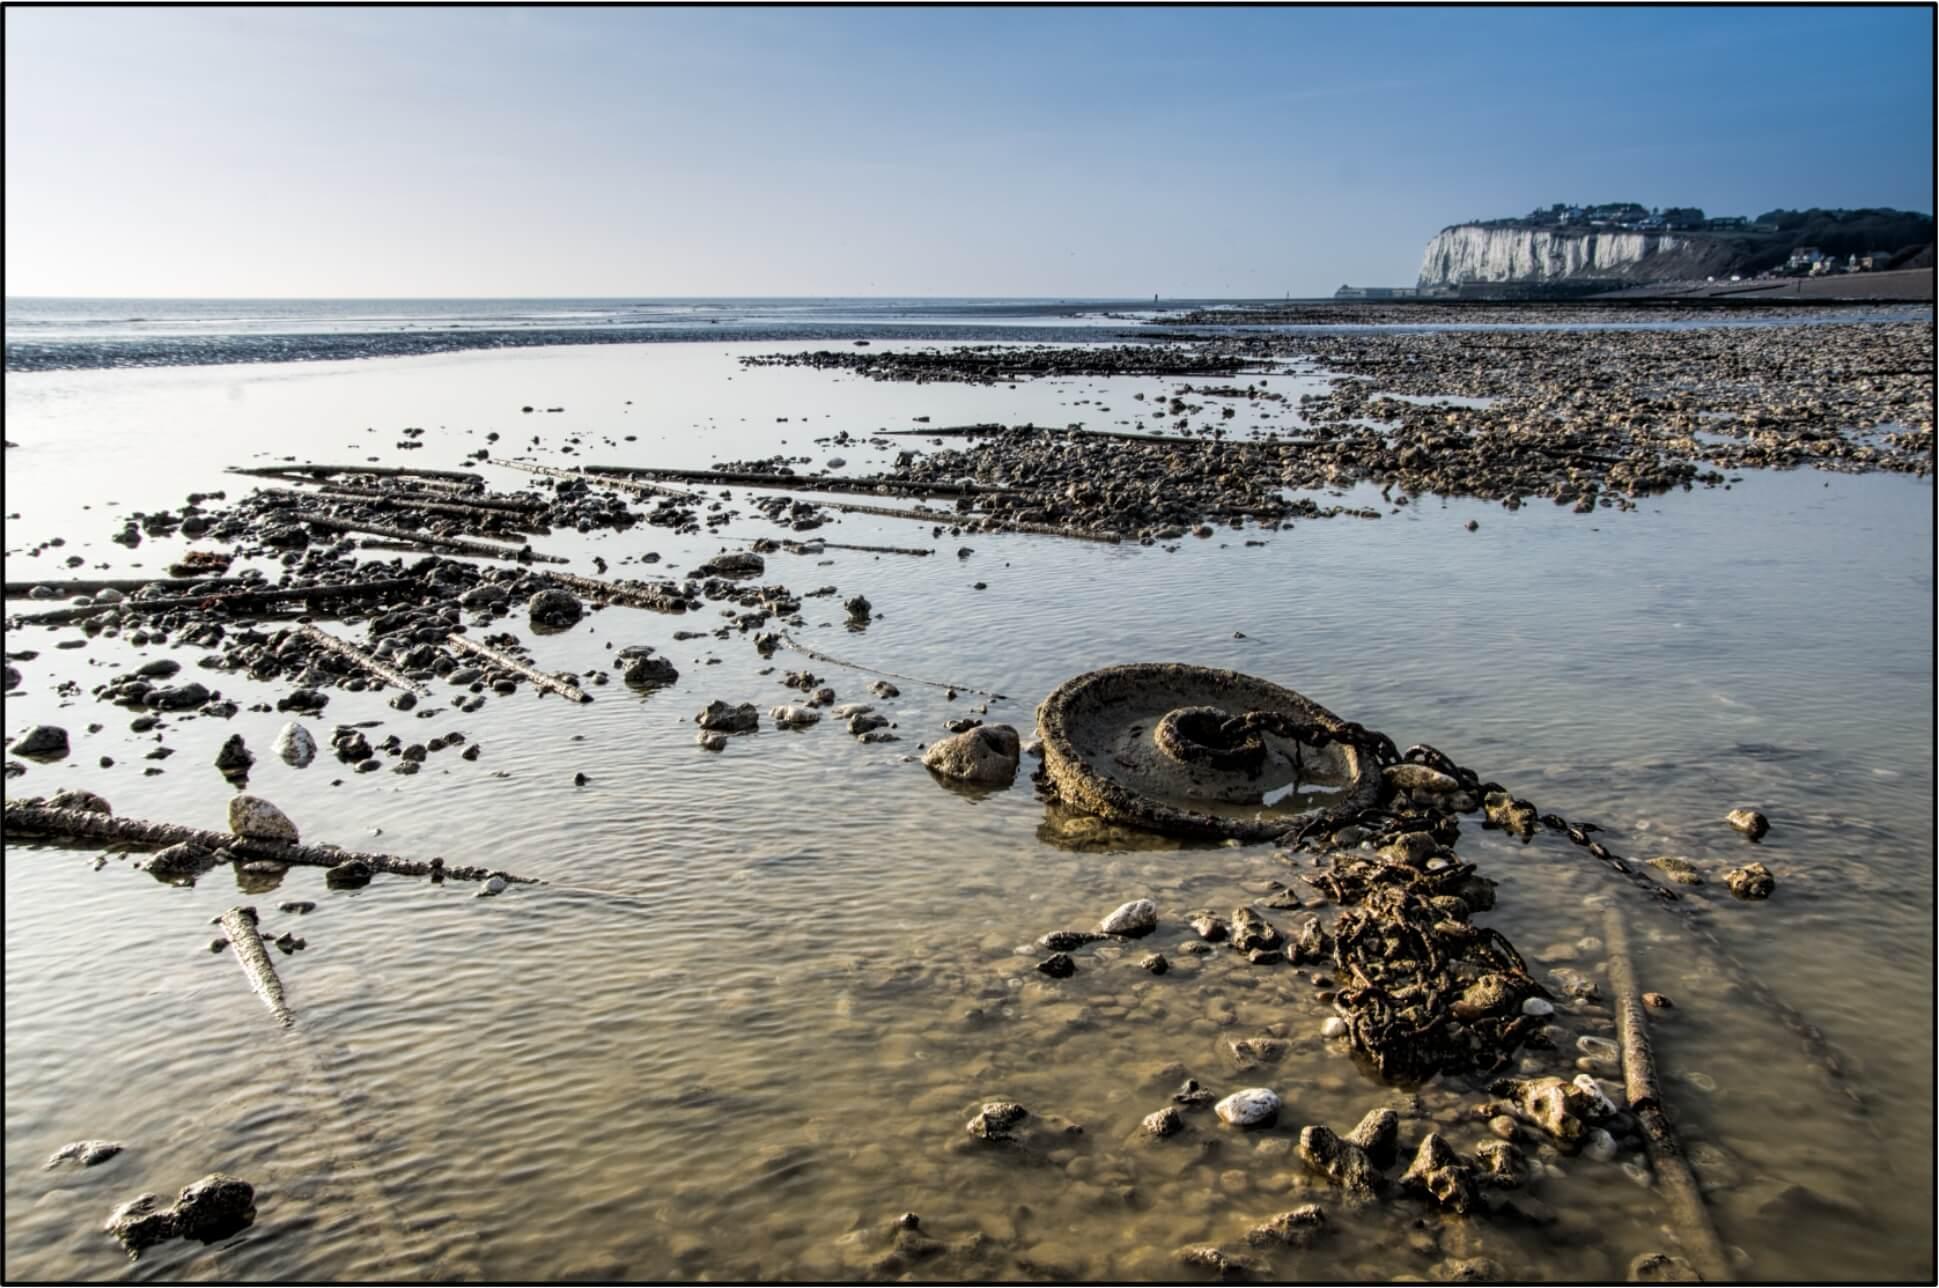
718 717
1166 1122
1252 1107
1210 928
1752 881
1058 966
493 885
251 816
987 755
294 745
1333 1027
234 759
996 1120
1658 1001
44 741
1682 871
1538 1006
1749 822
1134 919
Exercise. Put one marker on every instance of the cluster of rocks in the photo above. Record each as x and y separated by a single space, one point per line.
1140 488
991 364
1751 882
719 720
1559 424
1549 1116
1540 417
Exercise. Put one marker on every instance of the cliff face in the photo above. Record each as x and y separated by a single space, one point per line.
1476 253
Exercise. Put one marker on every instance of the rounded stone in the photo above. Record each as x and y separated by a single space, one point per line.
1749 822
1252 1107
986 755
214 1207
1165 1122
294 745
43 742
1133 919
253 817
554 608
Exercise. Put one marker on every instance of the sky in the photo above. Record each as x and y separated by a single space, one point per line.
1105 153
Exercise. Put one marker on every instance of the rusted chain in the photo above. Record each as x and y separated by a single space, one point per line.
1817 1048
805 651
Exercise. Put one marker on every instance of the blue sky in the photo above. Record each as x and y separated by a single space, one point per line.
1042 152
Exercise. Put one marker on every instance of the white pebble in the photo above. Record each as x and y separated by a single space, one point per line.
1252 1107
1538 1006
1139 917
295 745
1334 1027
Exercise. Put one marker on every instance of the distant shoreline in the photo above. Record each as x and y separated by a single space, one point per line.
1909 286
1734 303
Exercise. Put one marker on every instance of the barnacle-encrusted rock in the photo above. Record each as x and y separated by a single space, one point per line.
986 755
1341 1162
1439 1173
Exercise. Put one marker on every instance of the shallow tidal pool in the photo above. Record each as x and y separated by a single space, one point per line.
743 1027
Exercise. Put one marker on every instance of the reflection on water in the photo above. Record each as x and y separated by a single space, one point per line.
744 1029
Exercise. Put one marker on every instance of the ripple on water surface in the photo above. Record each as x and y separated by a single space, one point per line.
747 1025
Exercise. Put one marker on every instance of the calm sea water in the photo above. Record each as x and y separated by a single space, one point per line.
48 334
745 1028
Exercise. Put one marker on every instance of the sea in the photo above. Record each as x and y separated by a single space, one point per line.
48 333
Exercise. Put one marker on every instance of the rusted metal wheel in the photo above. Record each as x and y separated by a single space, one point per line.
1161 746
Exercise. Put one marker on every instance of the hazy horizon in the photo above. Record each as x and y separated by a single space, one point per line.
894 153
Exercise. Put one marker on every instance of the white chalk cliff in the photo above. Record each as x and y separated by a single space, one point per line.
1474 253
